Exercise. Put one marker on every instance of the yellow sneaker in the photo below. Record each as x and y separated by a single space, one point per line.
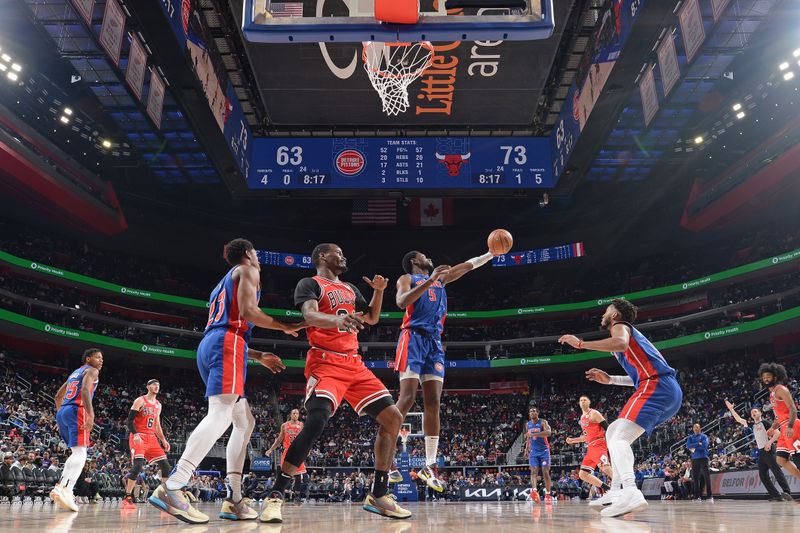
174 502
429 477
237 511
395 476
271 513
385 506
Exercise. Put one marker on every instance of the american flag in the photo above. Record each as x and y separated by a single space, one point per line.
286 9
374 212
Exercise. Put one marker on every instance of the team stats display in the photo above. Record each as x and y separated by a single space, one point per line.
401 163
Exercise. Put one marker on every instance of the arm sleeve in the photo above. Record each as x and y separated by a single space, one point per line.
624 381
129 421
307 289
361 302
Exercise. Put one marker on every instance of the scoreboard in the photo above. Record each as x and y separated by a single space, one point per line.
401 163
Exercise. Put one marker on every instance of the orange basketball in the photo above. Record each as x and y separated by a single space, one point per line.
500 242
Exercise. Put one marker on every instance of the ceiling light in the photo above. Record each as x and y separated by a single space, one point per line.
789 75
737 107
3 68
740 115
64 120
6 57
796 53
106 143
16 67
12 76
698 140
784 65
68 111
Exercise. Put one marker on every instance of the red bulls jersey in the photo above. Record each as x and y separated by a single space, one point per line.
73 396
593 431
145 421
290 432
333 298
779 407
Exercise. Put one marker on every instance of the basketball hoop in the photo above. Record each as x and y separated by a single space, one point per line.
392 67
405 432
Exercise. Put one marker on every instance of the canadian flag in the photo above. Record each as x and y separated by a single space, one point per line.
431 212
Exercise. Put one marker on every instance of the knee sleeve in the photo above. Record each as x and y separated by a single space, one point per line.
242 416
136 469
316 420
163 465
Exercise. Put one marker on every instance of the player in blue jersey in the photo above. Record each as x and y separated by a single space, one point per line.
222 361
420 355
537 448
75 419
656 399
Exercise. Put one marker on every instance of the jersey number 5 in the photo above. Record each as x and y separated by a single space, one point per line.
431 295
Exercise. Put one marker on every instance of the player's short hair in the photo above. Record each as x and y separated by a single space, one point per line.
319 250
407 261
90 352
627 311
584 396
236 250
777 370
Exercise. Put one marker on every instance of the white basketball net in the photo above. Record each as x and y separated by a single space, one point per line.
392 67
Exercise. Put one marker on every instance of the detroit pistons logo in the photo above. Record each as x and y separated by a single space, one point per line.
350 162
439 367
289 260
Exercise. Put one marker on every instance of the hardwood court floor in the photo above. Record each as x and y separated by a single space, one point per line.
726 516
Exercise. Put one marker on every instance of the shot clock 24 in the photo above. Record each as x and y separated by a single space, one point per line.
401 163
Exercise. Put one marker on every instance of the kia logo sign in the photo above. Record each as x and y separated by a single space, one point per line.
350 162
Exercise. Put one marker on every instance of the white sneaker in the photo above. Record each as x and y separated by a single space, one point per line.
629 500
604 500
64 498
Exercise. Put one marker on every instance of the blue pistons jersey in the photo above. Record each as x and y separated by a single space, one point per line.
429 311
420 353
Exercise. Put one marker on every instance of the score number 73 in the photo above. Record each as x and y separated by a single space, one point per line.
520 156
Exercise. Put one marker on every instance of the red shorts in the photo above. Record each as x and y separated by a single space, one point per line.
150 450
596 455
300 469
786 442
338 377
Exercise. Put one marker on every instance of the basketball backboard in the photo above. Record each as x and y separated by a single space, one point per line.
267 21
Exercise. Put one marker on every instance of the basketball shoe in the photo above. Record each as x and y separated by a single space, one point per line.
174 502
395 476
605 500
429 477
386 505
237 511
630 499
64 498
271 512
128 503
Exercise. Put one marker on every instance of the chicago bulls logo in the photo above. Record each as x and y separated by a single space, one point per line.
453 162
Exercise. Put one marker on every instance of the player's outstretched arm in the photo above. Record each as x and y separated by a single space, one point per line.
735 415
407 295
576 440
266 359
248 303
378 284
462 268
617 342
277 442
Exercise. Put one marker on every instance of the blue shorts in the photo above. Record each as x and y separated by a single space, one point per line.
70 418
539 459
421 354
655 401
222 362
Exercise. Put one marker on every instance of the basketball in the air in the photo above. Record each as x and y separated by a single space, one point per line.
500 242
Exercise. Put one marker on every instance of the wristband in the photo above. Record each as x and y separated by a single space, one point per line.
580 344
480 260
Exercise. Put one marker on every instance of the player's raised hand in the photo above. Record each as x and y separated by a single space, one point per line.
439 271
351 322
572 340
271 362
729 405
378 282
600 376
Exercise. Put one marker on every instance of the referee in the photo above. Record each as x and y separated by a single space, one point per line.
698 445
766 455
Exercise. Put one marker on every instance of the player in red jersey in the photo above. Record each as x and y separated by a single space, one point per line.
775 378
146 439
289 431
593 428
335 311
